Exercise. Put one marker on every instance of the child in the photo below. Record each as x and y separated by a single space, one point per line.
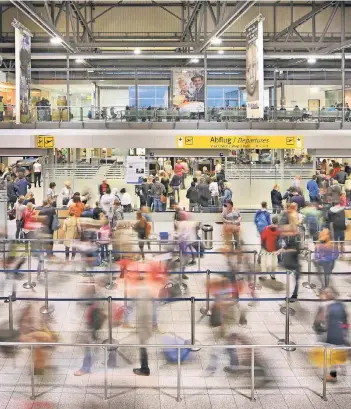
104 237
343 200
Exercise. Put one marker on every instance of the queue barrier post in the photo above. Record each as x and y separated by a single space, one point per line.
111 285
206 310
32 358
325 373
29 285
110 340
253 374
105 373
178 376
308 284
46 308
192 340
257 286
286 340
198 256
10 313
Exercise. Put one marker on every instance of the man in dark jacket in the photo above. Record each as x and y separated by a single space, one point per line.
48 212
11 192
298 199
204 193
21 185
341 176
337 221
193 195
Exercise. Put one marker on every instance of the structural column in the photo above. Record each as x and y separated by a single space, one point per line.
281 159
136 89
68 89
275 95
170 91
205 85
343 61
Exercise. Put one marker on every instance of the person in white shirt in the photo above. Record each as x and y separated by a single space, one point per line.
168 168
66 193
106 201
37 173
214 192
126 200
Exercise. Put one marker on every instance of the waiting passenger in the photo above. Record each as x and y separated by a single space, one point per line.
193 195
126 201
277 200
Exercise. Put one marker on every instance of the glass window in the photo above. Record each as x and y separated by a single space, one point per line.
154 96
222 96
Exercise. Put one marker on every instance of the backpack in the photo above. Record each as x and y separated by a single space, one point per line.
55 224
95 317
338 220
311 223
261 221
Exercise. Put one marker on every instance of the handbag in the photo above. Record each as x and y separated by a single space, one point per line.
55 224
11 214
216 316
163 199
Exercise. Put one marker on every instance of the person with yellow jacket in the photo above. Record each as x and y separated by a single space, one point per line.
72 229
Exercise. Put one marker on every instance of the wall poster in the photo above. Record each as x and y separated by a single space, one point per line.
135 171
189 90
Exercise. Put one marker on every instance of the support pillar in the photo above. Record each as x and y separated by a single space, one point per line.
170 92
281 160
275 95
343 62
136 90
68 99
282 95
205 85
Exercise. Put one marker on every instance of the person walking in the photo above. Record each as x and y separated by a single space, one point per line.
51 194
103 187
48 213
313 189
37 173
11 192
276 199
21 185
214 190
326 253
269 248
337 224
193 195
20 208
71 229
157 189
175 183
262 218
66 193
334 193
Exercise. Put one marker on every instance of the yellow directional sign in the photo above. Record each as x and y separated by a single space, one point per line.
239 142
44 141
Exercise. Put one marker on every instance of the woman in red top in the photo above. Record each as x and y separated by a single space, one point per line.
269 243
77 207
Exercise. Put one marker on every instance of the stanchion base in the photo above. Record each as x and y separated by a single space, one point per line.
288 349
309 286
195 349
205 311
111 286
48 310
291 311
113 341
28 286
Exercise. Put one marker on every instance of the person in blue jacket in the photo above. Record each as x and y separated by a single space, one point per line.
21 185
313 189
262 218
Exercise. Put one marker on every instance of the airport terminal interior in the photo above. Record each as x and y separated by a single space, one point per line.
175 200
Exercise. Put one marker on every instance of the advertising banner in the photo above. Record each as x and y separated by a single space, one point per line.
254 68
239 142
189 90
23 72
135 171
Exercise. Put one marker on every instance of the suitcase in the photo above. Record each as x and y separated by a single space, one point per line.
172 202
171 354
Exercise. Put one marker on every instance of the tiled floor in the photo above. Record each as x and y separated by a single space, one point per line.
293 381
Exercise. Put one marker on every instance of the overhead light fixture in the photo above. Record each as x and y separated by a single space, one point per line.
311 60
194 60
220 52
137 51
216 41
184 71
80 61
90 70
55 40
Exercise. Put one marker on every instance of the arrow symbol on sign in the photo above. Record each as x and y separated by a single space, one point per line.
180 139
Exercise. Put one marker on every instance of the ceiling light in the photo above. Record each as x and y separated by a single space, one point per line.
216 41
90 70
311 60
80 61
55 40
194 60
220 52
137 51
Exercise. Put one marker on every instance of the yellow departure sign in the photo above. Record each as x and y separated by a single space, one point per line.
239 142
44 141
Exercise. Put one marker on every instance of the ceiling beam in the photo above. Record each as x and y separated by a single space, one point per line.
191 20
48 27
303 19
82 20
240 9
165 9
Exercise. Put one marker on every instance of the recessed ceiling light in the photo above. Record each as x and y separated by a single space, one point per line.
55 40
216 41
220 52
194 60
137 51
311 60
80 60
90 70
